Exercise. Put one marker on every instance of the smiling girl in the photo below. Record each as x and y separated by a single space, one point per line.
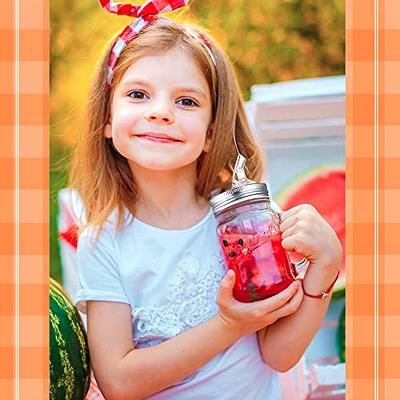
164 109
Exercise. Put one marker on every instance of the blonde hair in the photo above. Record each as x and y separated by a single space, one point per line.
103 177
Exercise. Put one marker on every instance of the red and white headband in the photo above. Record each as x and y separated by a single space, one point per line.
145 15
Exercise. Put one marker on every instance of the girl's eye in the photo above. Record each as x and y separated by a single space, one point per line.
188 102
137 94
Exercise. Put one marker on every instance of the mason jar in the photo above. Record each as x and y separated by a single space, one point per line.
250 239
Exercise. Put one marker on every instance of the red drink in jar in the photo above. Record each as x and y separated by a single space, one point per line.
250 238
260 263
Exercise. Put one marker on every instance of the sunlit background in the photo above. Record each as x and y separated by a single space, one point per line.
266 40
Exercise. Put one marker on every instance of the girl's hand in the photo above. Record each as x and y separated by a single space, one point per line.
306 232
246 318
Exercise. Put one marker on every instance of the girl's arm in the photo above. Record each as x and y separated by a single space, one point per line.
283 343
305 231
123 372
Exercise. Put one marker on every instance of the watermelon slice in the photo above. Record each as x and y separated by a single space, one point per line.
324 188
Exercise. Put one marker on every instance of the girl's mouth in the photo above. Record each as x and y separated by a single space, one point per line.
157 137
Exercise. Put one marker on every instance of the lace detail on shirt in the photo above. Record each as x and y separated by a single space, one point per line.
190 300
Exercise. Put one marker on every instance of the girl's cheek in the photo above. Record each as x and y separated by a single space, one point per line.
196 122
125 118
127 112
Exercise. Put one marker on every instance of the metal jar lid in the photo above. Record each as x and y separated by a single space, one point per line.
249 193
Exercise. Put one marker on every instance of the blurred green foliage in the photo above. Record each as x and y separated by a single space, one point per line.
266 40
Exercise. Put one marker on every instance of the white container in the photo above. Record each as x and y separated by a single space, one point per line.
300 124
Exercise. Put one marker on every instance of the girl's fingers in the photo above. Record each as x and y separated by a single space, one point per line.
289 213
289 308
289 231
303 209
290 243
225 292
275 302
289 222
295 243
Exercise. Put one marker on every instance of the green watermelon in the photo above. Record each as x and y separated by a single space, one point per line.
69 352
324 188
341 336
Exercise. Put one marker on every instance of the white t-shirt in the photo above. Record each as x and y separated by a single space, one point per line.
170 280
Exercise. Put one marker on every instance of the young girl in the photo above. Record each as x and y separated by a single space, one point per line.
163 115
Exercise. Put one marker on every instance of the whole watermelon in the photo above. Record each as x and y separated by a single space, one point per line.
69 352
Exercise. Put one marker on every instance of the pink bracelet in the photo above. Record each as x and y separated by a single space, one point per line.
324 293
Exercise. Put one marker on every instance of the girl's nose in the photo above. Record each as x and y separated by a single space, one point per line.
160 113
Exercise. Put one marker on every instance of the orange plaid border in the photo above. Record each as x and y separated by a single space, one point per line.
373 369
29 361
32 204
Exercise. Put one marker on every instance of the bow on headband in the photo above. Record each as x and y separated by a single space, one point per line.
152 7
145 14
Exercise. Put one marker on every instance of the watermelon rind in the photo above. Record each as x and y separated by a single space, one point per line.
304 177
293 185
69 352
341 336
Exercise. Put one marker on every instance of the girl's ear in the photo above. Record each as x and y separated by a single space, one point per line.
210 134
107 131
